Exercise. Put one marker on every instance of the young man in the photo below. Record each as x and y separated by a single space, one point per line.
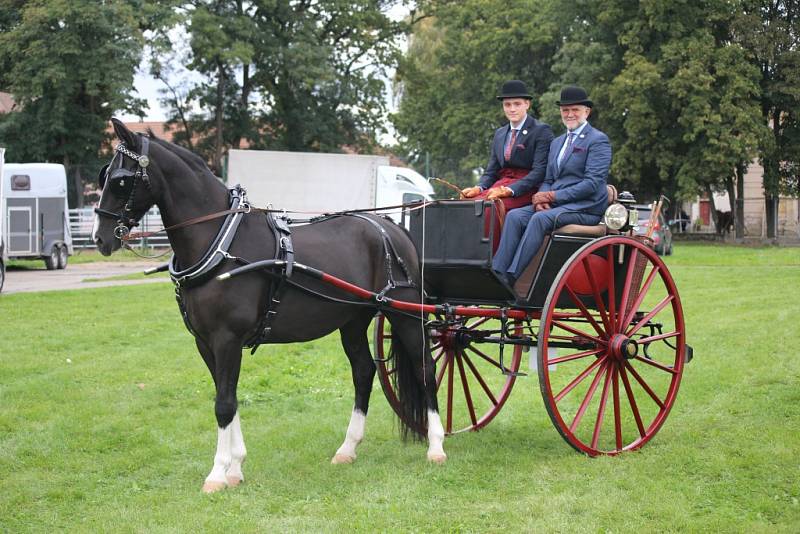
574 188
518 154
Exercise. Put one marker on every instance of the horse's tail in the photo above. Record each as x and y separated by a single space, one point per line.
408 383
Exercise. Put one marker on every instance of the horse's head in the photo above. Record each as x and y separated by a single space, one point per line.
127 191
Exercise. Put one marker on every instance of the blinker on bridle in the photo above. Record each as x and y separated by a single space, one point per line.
123 182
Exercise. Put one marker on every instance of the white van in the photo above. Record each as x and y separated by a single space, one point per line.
34 216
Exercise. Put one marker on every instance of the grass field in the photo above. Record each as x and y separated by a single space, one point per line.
91 256
107 425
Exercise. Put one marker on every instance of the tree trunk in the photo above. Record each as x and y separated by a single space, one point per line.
732 200
219 118
741 170
771 209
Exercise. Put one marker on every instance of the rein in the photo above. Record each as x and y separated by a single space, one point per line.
250 209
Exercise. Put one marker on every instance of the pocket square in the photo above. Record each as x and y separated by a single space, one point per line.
520 147
578 150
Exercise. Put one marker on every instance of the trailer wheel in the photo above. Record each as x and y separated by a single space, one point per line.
51 260
63 256
611 346
471 385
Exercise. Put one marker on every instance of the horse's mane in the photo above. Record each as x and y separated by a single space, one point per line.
190 158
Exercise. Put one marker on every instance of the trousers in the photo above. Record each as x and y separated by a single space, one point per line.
524 231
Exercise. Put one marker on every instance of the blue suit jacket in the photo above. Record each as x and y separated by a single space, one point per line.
529 152
580 182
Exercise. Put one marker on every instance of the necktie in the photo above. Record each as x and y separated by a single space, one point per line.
510 145
570 137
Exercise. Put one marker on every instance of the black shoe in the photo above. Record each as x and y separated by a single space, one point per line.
506 278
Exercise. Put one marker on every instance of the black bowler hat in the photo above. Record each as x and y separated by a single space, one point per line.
514 89
572 94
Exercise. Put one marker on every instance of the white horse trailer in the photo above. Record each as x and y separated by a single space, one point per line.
34 213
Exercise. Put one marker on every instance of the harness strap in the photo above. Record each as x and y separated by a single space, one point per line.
284 254
390 253
218 251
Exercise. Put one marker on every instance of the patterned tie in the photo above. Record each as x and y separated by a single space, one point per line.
510 145
570 137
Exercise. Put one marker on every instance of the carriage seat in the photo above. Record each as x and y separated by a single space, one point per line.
597 230
522 286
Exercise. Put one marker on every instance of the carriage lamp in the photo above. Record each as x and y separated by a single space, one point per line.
616 216
621 215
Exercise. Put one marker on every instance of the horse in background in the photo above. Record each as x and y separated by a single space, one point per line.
224 316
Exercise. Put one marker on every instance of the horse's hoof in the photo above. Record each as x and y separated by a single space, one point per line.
342 459
211 486
234 481
436 458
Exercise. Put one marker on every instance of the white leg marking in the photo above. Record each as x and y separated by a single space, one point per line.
216 479
234 474
355 433
435 438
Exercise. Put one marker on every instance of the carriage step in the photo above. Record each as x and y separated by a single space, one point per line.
689 353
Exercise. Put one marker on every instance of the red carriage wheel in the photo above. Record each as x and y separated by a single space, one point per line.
611 346
470 381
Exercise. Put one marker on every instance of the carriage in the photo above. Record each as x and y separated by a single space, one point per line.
596 311
596 303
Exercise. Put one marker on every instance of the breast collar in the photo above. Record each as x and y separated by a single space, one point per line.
217 251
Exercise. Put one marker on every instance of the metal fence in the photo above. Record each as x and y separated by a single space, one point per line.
81 222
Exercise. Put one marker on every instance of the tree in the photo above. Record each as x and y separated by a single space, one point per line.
770 32
304 75
675 94
457 60
69 65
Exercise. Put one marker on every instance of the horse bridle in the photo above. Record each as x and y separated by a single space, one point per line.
126 219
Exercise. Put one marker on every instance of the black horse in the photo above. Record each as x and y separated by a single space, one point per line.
226 316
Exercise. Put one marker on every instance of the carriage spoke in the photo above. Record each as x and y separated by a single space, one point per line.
656 365
576 356
584 311
450 395
650 339
441 372
644 385
598 300
601 409
578 379
660 306
477 323
632 401
588 398
480 379
626 285
467 395
640 298
439 355
617 419
485 357
565 326
612 294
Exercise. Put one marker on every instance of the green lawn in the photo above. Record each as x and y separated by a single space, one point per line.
107 425
90 256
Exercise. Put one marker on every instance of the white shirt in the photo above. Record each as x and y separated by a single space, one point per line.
576 132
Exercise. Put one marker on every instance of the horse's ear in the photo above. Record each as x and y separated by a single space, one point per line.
123 133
